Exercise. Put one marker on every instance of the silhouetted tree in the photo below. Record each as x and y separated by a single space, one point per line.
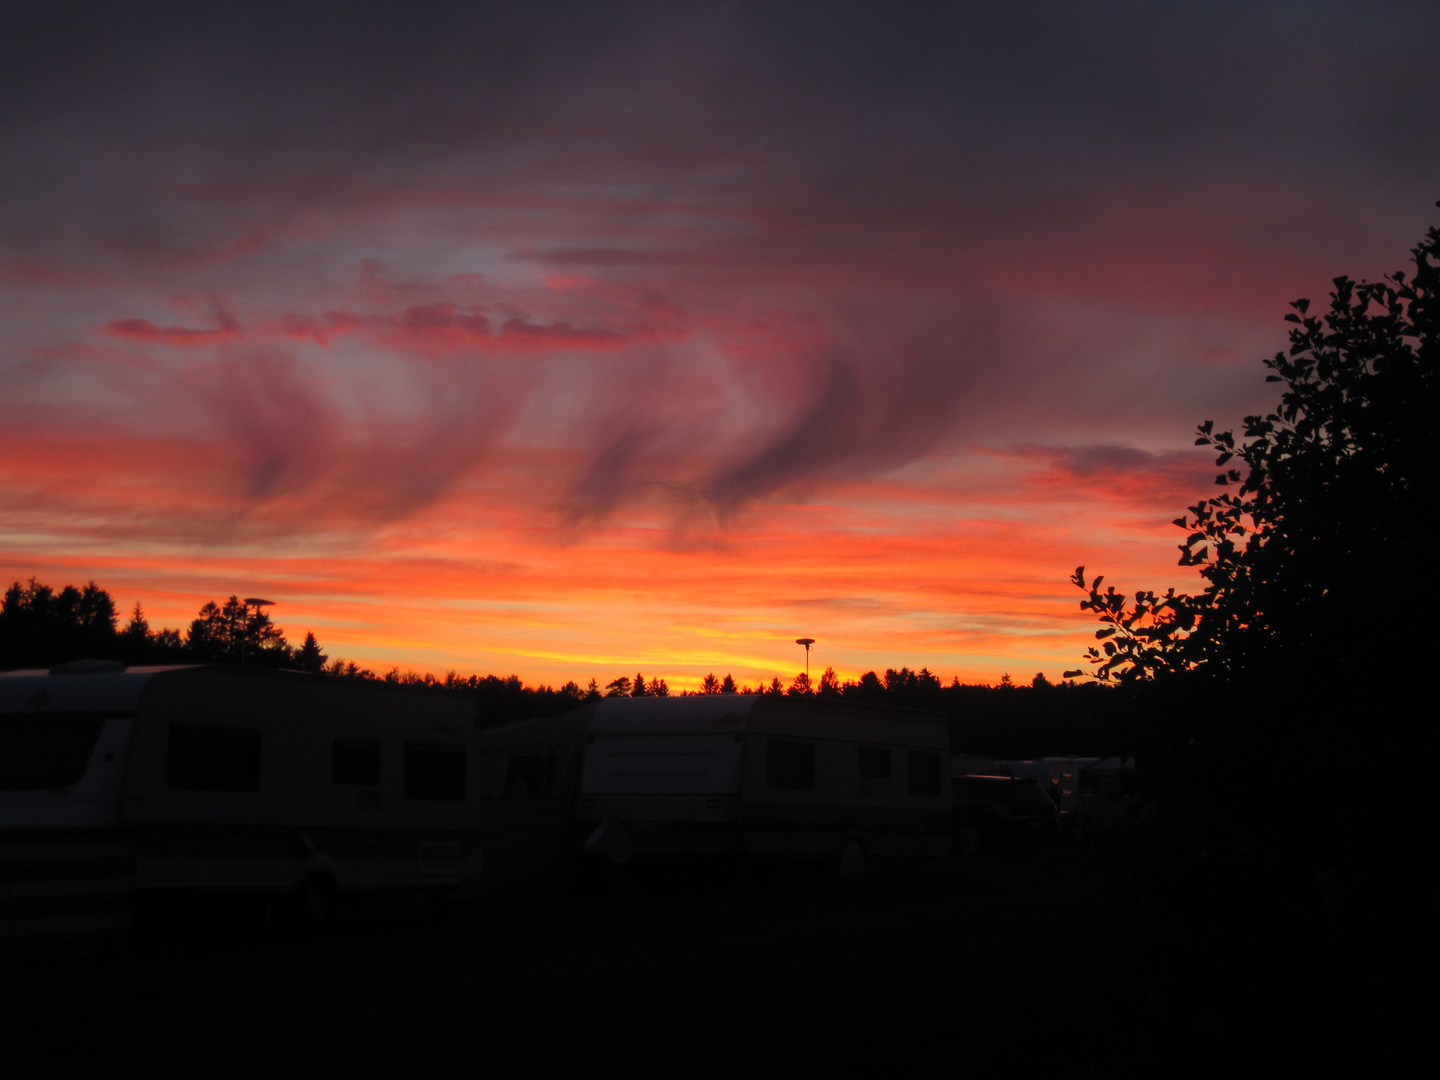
1338 485
39 627
799 686
309 657
727 686
207 638
136 640
137 630
1302 640
829 683
166 646
138 644
869 688
619 688
710 684
231 631
502 700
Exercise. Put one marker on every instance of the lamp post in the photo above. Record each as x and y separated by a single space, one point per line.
807 642
245 606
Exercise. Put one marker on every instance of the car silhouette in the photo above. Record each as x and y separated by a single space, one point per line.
1001 811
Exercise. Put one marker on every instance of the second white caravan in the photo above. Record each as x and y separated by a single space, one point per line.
767 776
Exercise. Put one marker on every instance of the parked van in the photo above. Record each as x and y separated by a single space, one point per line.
222 778
767 776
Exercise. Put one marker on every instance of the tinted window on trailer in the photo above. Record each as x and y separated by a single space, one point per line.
355 762
434 771
924 773
874 763
203 758
790 765
46 750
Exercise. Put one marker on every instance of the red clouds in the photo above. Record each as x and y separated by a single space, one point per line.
430 327
322 330
1126 475
653 463
446 328
143 330
146 332
562 334
550 341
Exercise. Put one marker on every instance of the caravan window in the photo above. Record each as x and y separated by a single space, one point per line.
204 758
354 762
790 765
874 763
924 773
434 771
46 750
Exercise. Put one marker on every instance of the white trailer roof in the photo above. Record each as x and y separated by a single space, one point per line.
672 716
715 714
123 689
30 691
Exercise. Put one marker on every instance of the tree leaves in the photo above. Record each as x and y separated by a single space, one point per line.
1337 484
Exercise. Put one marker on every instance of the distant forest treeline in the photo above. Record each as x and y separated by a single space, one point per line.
40 628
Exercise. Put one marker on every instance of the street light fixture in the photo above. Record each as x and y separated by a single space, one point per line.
807 642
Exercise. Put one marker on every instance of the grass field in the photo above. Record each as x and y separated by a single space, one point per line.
1033 966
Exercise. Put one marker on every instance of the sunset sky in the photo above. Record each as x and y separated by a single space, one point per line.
571 340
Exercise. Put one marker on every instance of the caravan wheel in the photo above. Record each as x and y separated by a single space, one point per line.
851 870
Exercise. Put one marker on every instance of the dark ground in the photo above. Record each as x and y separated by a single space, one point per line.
1034 964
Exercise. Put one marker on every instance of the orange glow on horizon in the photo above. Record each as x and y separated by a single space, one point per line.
456 589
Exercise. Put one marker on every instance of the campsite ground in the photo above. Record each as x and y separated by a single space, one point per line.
1001 957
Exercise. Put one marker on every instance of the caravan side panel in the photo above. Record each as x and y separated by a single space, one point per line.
814 781
246 782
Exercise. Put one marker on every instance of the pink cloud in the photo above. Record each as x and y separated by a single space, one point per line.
1114 472
322 329
143 330
445 327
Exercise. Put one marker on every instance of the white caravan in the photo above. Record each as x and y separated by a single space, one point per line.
765 776
225 779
